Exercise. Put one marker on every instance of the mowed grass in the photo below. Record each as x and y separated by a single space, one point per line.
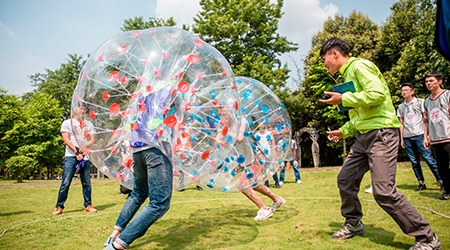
213 220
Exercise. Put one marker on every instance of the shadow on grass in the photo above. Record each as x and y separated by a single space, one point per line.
211 229
377 235
16 213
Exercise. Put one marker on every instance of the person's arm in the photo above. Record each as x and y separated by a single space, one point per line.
66 139
402 126
426 138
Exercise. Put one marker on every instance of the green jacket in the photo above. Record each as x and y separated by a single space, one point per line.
372 103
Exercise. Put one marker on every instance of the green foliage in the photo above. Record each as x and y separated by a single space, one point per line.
10 114
138 23
37 134
245 32
60 83
19 167
407 50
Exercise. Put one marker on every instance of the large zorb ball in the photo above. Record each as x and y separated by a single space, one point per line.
158 87
263 141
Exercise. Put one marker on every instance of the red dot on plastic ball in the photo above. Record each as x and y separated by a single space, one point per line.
100 58
170 121
193 59
114 109
236 105
157 73
122 50
136 34
114 149
183 87
224 73
86 134
134 126
159 131
165 54
225 131
198 43
187 106
128 163
215 101
183 156
105 96
123 79
142 106
149 88
92 114
205 154
113 76
119 176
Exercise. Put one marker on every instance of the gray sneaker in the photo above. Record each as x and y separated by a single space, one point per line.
263 214
348 231
434 244
278 204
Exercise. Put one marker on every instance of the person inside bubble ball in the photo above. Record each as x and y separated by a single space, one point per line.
153 178
246 183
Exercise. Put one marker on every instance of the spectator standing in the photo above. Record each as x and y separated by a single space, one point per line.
437 127
75 158
410 113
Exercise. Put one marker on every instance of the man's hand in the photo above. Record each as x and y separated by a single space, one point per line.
334 135
335 98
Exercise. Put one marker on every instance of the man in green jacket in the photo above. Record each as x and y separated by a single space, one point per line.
374 123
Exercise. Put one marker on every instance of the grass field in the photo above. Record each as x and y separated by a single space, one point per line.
212 220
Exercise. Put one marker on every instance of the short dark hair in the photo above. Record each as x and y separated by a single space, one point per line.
337 44
435 74
408 84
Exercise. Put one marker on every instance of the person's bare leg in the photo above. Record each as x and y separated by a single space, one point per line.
267 192
253 196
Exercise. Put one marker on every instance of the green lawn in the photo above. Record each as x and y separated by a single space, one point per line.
212 220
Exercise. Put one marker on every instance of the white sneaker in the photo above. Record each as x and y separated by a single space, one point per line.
369 190
281 183
263 214
299 182
278 204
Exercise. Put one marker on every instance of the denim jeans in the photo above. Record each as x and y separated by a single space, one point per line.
296 171
68 172
414 148
153 179
275 178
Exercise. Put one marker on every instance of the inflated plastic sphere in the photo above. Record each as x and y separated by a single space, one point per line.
158 87
262 143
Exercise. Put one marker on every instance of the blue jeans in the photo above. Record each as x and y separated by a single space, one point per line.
275 178
414 148
296 171
68 172
153 179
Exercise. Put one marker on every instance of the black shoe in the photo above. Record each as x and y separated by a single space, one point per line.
181 190
348 231
441 185
444 197
277 185
199 188
421 187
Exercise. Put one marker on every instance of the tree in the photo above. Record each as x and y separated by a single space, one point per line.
245 32
19 167
407 50
60 83
10 114
37 136
138 23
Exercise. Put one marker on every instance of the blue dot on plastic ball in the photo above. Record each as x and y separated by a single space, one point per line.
249 175
254 183
210 185
265 110
240 159
279 127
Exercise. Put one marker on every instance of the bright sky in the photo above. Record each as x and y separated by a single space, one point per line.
39 35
